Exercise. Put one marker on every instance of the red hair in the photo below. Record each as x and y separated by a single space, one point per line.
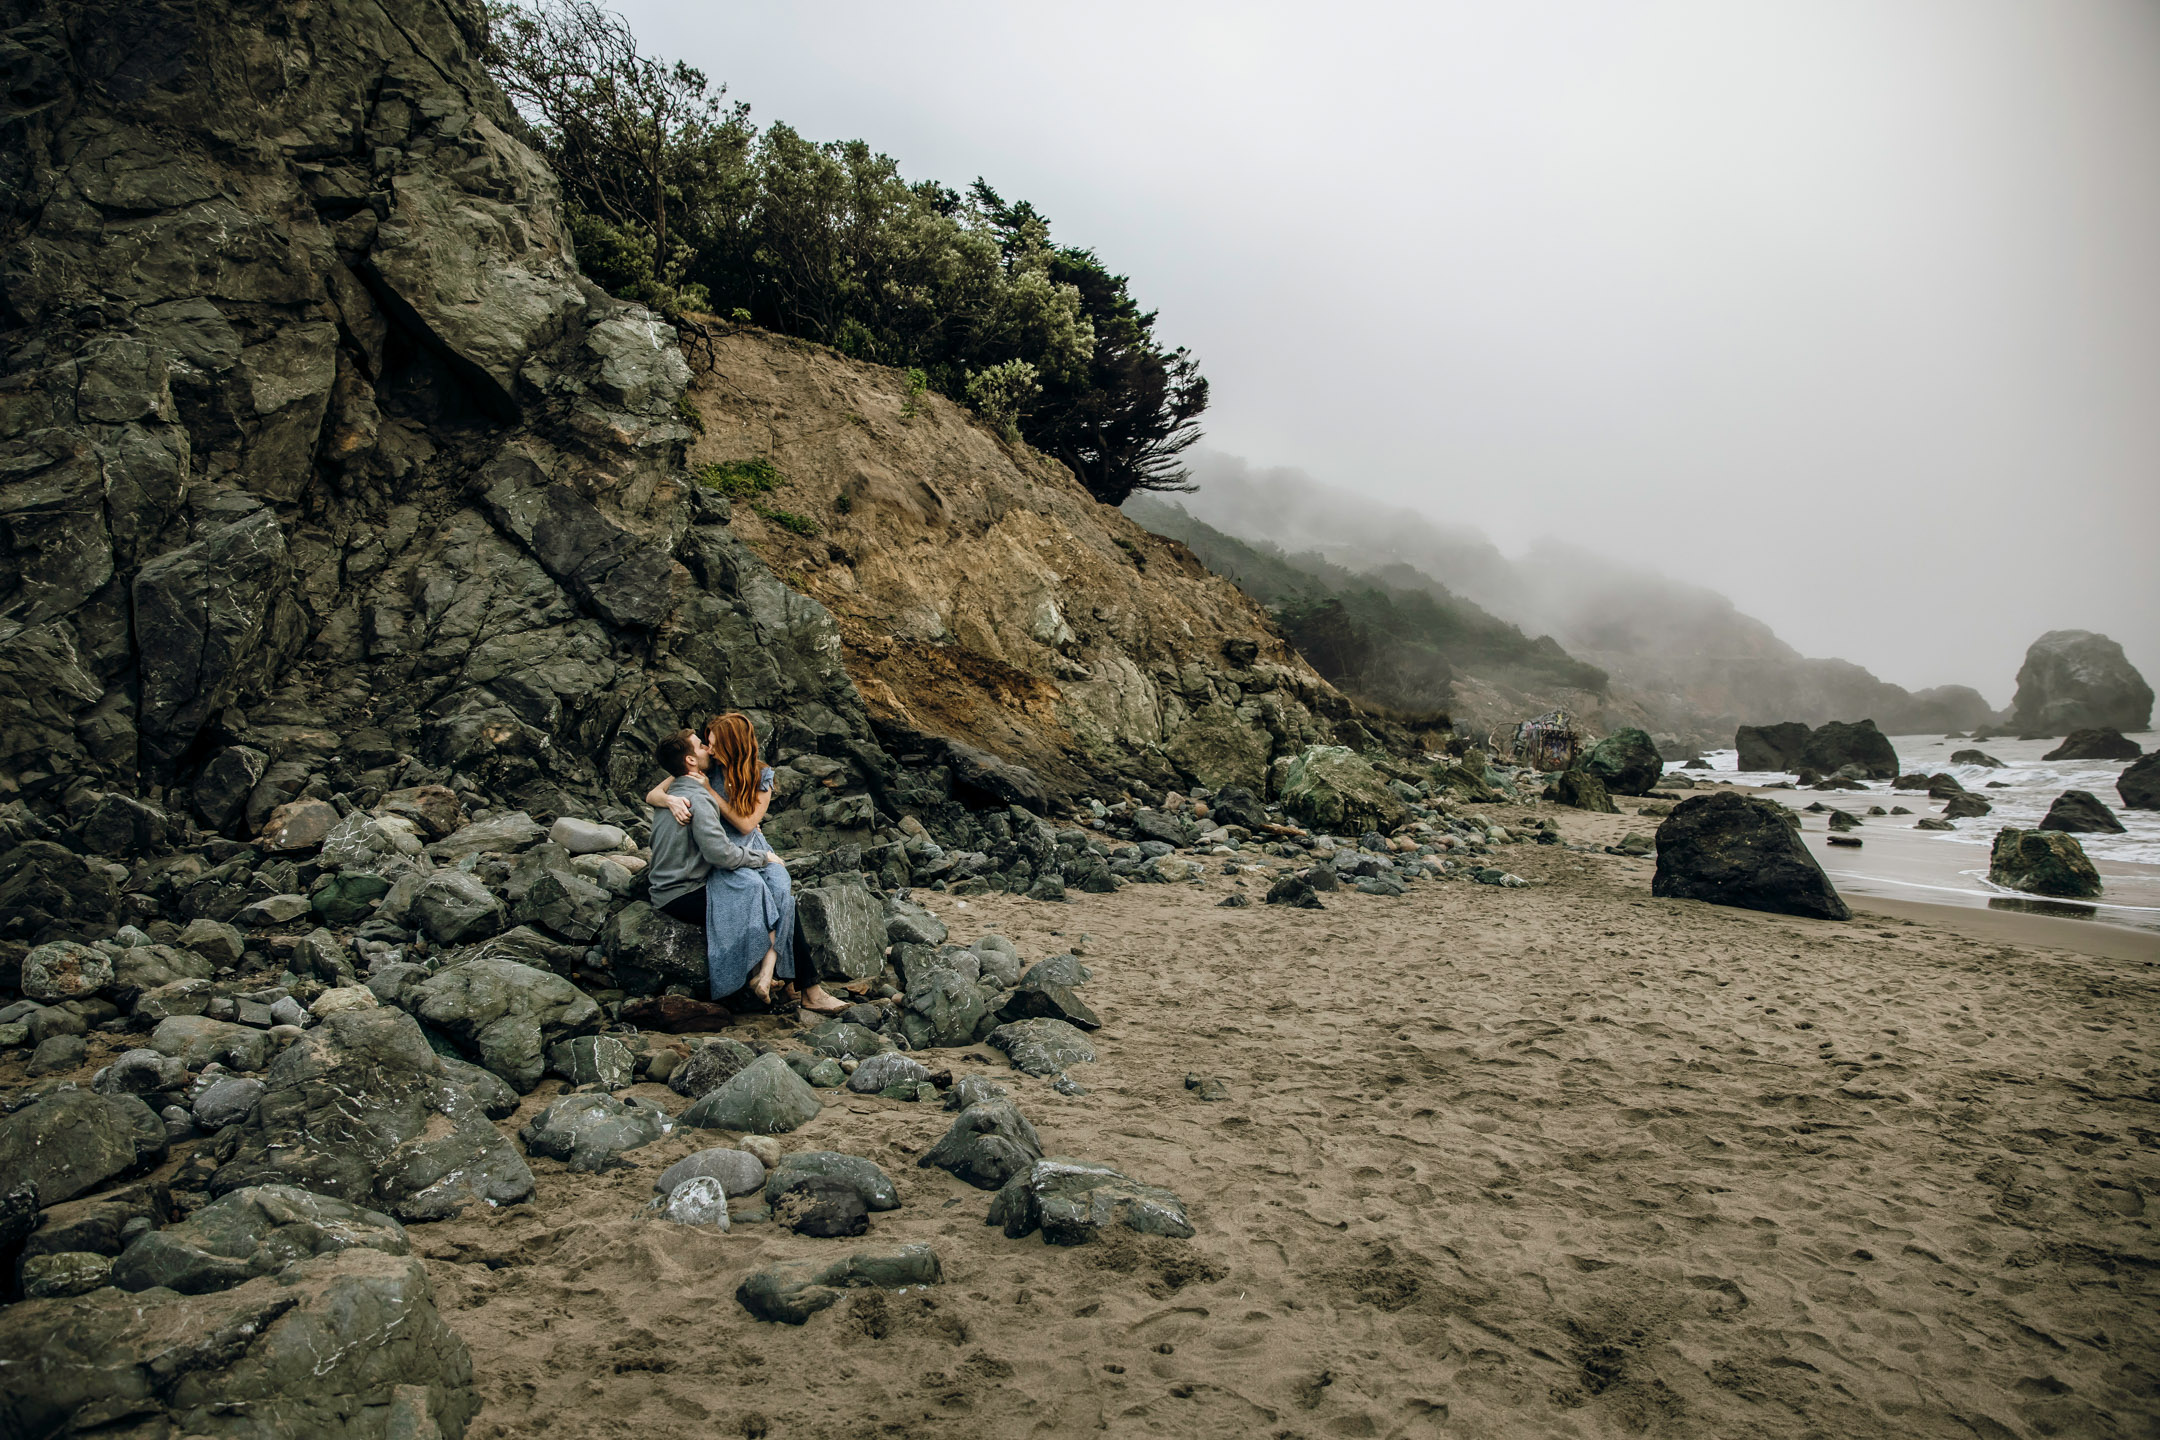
735 756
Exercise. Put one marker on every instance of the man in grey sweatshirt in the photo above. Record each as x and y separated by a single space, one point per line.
684 855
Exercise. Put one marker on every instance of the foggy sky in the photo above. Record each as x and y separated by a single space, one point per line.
1847 308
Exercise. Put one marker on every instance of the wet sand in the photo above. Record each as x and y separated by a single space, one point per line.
1559 1161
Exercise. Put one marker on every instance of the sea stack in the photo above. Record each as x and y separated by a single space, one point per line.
2079 680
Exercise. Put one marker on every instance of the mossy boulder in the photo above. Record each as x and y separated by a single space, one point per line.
2042 862
1218 749
1332 788
1583 790
1627 761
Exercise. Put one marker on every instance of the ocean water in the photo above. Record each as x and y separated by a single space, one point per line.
1950 866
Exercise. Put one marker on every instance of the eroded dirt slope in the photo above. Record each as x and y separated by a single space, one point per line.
983 595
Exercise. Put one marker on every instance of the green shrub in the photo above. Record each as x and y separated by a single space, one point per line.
787 519
741 479
917 384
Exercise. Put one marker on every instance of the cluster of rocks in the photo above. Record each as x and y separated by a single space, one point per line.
322 1111
1337 820
1834 755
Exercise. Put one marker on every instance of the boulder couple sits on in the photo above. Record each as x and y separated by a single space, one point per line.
712 866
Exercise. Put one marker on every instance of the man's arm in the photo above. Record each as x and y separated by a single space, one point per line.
713 843
660 799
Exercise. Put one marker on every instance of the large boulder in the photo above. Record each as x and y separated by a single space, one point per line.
1582 790
1732 849
511 833
73 1141
361 1109
843 928
1073 1201
345 1346
452 908
1332 788
503 1014
556 898
65 970
1836 744
944 1008
1627 761
764 1098
2076 680
2080 812
647 951
862 1176
2042 862
2139 785
196 1040
254 1231
143 968
709 1066
989 1143
1042 1047
590 1132
48 892
1771 747
2092 744
221 789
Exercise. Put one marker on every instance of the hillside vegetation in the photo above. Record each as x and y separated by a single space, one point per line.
677 200
1397 639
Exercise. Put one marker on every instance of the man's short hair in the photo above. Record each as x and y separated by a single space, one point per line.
674 751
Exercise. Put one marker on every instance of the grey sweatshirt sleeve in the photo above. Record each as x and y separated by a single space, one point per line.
713 842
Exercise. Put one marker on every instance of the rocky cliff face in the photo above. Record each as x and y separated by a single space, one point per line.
316 451
322 471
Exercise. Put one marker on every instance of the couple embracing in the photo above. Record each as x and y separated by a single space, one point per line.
712 867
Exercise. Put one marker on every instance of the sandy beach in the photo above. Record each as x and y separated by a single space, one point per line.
1560 1161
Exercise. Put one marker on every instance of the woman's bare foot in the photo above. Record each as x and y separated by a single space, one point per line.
819 999
762 982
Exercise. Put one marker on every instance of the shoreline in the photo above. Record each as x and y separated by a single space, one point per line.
1562 1161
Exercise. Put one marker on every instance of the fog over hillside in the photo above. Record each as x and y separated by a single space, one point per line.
1683 649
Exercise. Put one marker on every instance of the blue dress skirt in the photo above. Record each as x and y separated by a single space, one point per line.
747 912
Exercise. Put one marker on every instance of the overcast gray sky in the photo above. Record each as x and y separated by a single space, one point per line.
1866 291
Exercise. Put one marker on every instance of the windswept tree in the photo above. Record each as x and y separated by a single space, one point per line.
677 200
639 144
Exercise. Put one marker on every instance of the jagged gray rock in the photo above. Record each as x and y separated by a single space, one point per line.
590 1132
73 1141
361 1109
1042 1047
765 1098
989 1143
504 1014
1070 1201
347 1346
843 928
254 1231
873 1184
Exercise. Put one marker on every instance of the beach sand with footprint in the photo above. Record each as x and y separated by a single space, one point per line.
1560 1161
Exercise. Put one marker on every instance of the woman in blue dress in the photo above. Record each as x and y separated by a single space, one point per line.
749 913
